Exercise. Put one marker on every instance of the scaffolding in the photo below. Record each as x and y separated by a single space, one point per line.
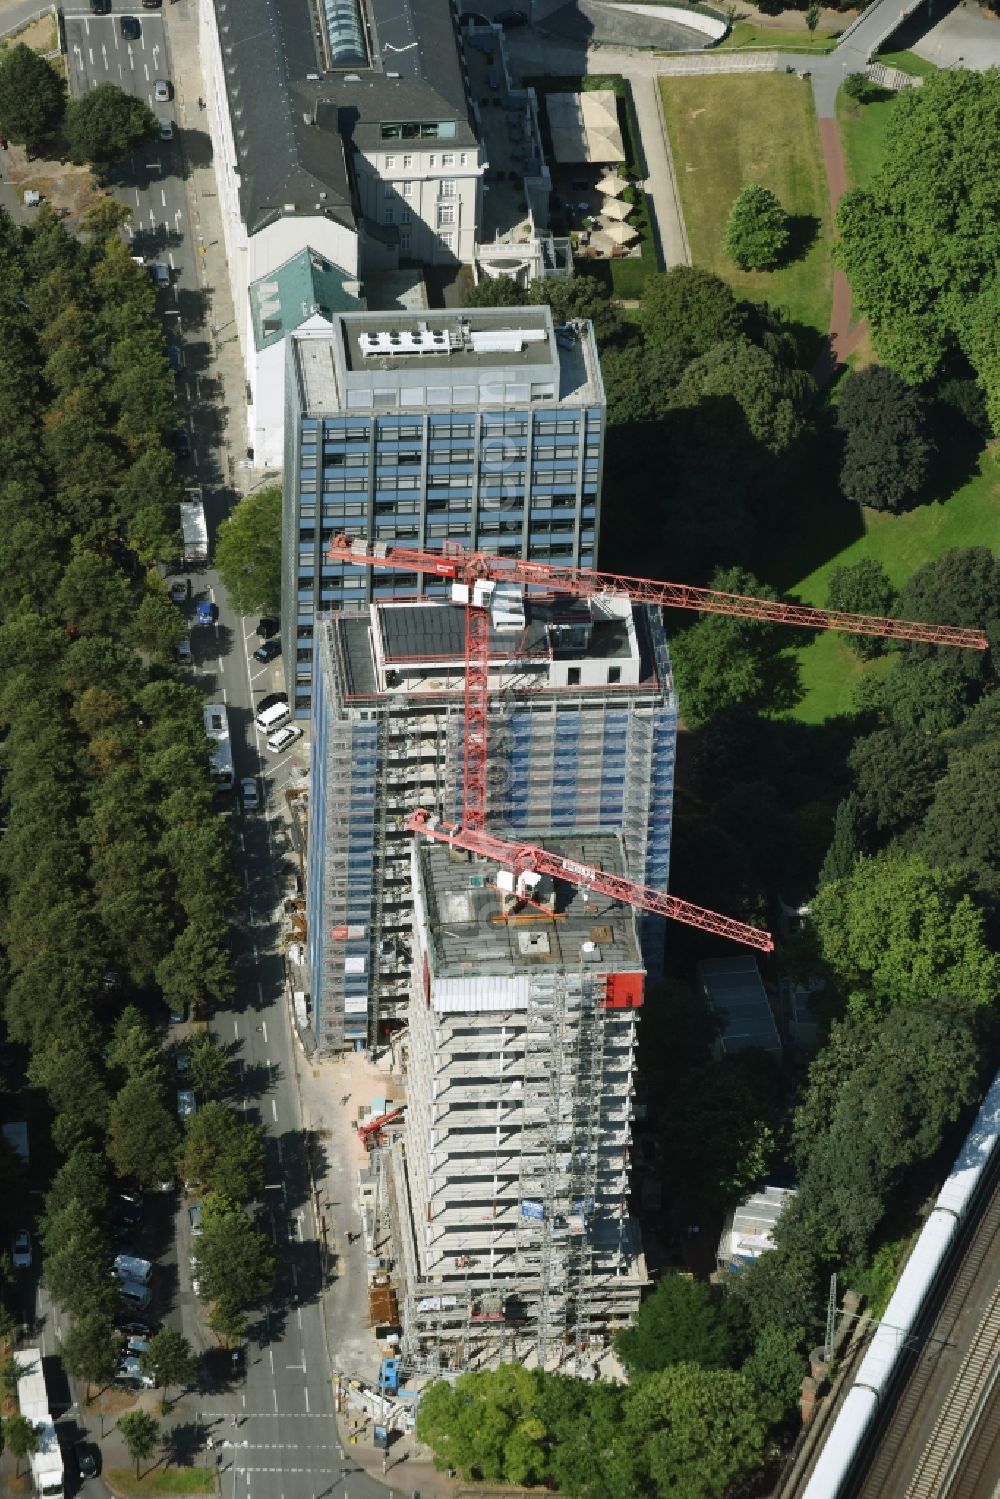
510 1198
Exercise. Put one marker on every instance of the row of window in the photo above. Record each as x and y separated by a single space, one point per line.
447 188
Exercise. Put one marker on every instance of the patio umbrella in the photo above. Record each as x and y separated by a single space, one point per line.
621 234
612 208
611 185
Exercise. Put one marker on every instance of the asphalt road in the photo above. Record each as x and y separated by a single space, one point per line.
274 1432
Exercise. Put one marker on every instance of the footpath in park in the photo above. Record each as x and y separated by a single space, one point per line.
844 334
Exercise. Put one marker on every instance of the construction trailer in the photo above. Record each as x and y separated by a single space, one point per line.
194 528
582 730
47 1468
508 1192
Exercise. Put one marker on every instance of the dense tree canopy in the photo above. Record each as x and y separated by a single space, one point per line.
684 1321
248 553
922 241
898 932
862 587
32 97
886 450
106 124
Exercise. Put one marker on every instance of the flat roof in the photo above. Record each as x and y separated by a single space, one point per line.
435 628
477 358
469 936
735 988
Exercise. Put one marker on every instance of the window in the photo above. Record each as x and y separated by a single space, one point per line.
446 187
404 241
407 163
573 676
389 216
614 675
446 214
406 188
464 159
390 163
405 216
448 240
448 159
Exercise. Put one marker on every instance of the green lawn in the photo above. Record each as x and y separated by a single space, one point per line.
162 1481
726 132
862 135
902 543
749 34
908 62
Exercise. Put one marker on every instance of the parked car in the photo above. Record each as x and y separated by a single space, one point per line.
282 738
194 1219
187 1104
178 1015
208 612
137 1328
166 130
86 1455
21 1250
248 793
182 1060
160 272
270 701
184 656
163 90
180 589
268 626
130 1372
181 439
267 651
100 7
131 28
175 354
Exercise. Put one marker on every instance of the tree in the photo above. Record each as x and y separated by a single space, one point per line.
209 1068
21 1438
689 310
924 697
745 377
134 1050
886 454
812 17
157 626
962 826
223 1154
140 1432
236 1262
895 773
93 596
917 257
248 553
170 1360
718 1127
859 87
32 98
684 1321
496 291
757 230
721 659
693 1431
862 587
488 1425
958 587
107 124
103 217
897 932
197 969
143 1134
775 1370
91 1347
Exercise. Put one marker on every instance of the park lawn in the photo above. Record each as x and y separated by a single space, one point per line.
971 517
728 131
161 1481
862 135
748 34
908 62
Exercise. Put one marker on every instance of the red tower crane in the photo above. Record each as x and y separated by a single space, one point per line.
474 577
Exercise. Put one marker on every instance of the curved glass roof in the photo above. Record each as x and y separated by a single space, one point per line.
345 31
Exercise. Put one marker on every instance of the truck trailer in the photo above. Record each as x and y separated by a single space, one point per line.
47 1472
194 530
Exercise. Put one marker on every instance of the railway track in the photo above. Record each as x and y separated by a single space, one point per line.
924 1456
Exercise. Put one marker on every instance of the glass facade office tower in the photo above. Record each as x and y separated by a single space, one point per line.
483 427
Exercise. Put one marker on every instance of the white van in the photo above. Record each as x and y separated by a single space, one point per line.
272 718
130 1267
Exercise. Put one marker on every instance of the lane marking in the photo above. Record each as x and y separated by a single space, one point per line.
264 1029
274 1109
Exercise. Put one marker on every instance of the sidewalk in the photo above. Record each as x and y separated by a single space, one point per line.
224 358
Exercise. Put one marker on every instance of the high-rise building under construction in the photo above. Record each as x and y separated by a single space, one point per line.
582 730
507 1193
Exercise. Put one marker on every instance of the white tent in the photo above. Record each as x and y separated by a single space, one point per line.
584 127
612 208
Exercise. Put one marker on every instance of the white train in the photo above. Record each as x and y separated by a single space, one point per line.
847 1436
